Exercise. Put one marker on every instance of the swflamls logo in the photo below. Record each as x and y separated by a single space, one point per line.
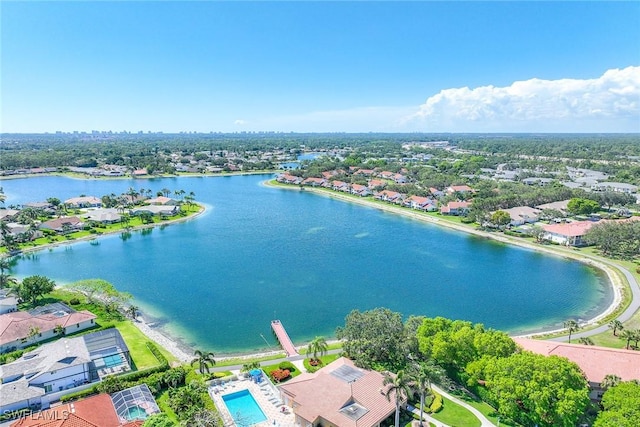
39 416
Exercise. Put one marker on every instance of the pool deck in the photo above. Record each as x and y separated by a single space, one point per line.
262 393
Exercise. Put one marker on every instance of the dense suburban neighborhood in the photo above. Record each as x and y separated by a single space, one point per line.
79 356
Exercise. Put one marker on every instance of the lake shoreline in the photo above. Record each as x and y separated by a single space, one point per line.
174 344
614 281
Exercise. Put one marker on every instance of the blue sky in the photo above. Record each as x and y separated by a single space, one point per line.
321 66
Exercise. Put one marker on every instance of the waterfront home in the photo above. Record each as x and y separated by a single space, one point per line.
103 216
20 329
421 203
314 182
64 366
455 208
569 234
360 190
126 408
340 186
596 362
521 215
162 201
156 210
83 202
560 206
389 196
288 179
339 394
62 225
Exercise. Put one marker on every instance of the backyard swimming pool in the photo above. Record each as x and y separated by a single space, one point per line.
243 408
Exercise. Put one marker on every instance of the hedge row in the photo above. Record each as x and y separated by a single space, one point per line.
437 403
157 353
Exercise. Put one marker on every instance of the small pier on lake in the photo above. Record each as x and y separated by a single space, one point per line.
283 338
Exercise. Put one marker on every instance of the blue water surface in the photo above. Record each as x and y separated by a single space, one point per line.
260 253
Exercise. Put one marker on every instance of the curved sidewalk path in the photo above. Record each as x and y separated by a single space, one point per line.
484 421
626 315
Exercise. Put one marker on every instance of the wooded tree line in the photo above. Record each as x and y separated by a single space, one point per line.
527 388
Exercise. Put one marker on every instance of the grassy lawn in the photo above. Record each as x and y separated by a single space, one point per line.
163 403
455 415
484 408
241 361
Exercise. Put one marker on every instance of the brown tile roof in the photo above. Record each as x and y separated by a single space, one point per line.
596 362
322 394
95 411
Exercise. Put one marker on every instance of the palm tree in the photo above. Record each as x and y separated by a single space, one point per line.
572 326
616 325
59 330
204 360
610 381
132 311
400 387
628 335
586 341
636 337
422 377
317 347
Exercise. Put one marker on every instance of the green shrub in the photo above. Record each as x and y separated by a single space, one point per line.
74 301
157 353
437 403
287 365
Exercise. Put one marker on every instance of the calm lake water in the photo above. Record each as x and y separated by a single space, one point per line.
261 253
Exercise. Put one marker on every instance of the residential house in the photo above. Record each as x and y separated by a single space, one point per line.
340 186
314 182
103 216
84 202
8 301
140 172
62 225
421 203
537 181
436 193
288 179
568 234
596 362
618 187
360 190
389 196
560 206
126 408
162 201
64 366
455 208
156 210
8 214
461 189
340 394
20 329
399 178
523 215
376 184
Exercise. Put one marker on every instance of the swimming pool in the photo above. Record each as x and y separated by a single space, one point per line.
112 361
243 408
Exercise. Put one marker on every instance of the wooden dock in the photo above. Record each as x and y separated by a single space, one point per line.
283 338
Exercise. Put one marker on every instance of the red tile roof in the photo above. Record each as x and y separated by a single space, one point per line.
17 325
596 362
571 229
95 411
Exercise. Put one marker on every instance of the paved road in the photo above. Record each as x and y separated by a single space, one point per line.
626 315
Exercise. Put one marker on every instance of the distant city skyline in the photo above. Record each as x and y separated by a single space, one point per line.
432 67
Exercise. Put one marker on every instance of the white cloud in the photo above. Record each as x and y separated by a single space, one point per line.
610 103
240 122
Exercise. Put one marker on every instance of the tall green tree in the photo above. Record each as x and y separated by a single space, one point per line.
375 339
628 335
398 386
537 390
204 360
621 406
34 287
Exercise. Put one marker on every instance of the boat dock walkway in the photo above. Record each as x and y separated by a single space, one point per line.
283 338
